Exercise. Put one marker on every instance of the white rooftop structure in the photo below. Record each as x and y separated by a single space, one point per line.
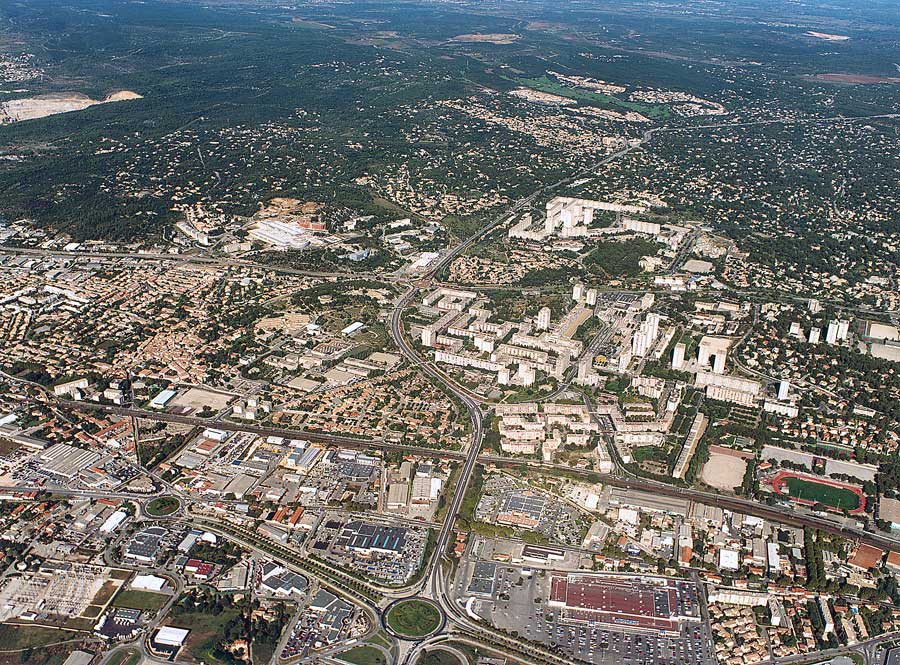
280 234
162 399
728 559
113 521
171 636
148 583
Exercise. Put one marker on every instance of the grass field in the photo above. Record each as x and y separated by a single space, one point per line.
206 631
106 592
126 658
80 624
438 657
263 652
25 637
141 600
92 611
363 656
162 506
836 497
55 655
7 446
381 639
413 618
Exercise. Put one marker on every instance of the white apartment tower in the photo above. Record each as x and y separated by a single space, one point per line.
578 292
584 368
843 329
831 334
719 363
645 335
526 374
783 387
543 318
427 337
639 343
652 321
678 355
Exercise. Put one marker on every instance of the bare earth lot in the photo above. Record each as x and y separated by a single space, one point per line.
723 472
31 108
492 38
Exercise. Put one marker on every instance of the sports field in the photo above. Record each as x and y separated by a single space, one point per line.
837 497
810 491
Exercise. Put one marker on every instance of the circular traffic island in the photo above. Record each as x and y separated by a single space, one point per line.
162 506
413 618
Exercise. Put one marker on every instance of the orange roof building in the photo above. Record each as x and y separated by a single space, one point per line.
866 557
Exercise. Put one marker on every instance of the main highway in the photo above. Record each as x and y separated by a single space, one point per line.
472 402
476 416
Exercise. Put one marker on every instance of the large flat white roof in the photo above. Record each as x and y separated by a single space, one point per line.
171 636
163 398
352 328
148 582
113 521
728 559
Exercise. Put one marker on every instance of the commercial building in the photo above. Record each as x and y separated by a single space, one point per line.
113 521
521 509
728 559
162 399
397 496
335 615
637 603
145 545
280 234
167 641
279 581
366 538
148 583
66 462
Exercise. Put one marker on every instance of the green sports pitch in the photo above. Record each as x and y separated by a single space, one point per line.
836 497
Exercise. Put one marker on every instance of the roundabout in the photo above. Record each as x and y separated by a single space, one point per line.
413 619
162 506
